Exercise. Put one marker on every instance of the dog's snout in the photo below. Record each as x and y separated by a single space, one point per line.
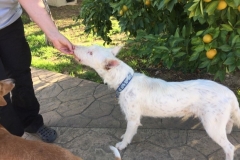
77 58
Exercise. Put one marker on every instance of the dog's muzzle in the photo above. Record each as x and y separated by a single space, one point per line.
77 59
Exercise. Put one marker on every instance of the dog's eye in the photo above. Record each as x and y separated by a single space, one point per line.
90 52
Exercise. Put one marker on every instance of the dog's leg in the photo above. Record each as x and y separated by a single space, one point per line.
215 126
229 126
127 137
221 139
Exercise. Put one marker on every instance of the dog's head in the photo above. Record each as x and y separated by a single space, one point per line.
99 58
5 87
96 56
104 62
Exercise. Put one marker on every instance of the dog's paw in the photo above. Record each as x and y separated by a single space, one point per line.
121 145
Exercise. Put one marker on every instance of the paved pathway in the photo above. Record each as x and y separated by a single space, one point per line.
88 119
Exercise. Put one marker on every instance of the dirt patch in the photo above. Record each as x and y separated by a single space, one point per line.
232 80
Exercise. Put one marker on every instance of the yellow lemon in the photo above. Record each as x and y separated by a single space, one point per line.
207 1
221 5
211 53
124 8
207 38
147 2
239 8
121 12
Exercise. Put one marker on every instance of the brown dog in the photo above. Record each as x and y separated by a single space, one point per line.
5 87
17 148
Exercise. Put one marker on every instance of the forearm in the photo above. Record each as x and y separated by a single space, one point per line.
36 10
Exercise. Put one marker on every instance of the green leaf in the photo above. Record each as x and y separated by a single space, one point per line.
161 5
216 33
225 48
211 7
215 60
211 19
231 16
220 74
184 31
193 7
204 64
196 41
235 38
169 62
180 54
223 56
199 48
237 2
199 33
230 3
191 14
231 68
237 53
175 50
161 48
201 7
194 56
171 5
238 30
197 12
238 63
229 61
226 27
176 33
237 23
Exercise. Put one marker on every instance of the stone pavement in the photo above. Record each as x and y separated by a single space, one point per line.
88 119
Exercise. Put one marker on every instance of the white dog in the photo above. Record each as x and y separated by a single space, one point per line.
214 104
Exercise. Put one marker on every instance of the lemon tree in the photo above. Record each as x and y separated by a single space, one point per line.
188 35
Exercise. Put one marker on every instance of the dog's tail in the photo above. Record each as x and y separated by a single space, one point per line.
116 152
236 112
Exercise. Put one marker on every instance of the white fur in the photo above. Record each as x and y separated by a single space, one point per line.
214 104
115 152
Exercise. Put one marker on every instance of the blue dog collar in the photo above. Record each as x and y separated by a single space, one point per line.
124 84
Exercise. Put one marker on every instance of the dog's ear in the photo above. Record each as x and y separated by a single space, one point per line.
2 101
115 50
5 87
110 63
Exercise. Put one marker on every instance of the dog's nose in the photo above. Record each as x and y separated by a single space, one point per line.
78 59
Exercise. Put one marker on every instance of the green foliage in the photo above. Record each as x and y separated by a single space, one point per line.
96 18
170 32
238 95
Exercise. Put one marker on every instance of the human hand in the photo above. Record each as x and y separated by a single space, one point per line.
62 44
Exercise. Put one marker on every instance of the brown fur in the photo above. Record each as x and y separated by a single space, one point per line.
5 87
17 148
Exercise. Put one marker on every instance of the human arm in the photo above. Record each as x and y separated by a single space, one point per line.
36 10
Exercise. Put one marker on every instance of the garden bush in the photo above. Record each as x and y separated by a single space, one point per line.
188 35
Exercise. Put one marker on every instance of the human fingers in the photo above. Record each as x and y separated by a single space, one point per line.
64 46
